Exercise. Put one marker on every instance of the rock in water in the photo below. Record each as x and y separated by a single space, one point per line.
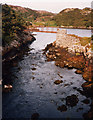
58 82
35 116
86 101
62 108
78 72
88 88
33 68
72 100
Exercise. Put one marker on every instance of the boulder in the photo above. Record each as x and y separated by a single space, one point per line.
62 108
88 88
58 82
60 64
72 100
35 116
86 101
78 72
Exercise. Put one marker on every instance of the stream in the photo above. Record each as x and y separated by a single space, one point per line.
34 90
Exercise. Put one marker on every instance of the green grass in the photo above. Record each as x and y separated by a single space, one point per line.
45 23
85 40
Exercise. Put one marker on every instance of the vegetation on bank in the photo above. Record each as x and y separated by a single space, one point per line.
85 40
12 24
45 23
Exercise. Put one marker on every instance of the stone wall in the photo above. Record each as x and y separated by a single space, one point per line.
72 42
65 40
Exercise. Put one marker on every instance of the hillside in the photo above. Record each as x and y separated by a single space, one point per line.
69 17
27 13
74 17
12 25
37 17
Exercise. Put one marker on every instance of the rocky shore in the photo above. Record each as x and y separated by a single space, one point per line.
16 47
65 58
14 52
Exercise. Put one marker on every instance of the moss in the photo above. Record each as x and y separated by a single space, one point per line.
85 40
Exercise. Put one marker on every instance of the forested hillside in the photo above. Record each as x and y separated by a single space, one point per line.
39 17
26 13
68 17
74 17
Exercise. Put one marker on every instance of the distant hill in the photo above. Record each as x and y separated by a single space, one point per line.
27 13
30 14
74 17
37 17
43 12
71 17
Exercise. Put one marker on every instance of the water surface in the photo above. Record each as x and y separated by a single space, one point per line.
79 32
34 90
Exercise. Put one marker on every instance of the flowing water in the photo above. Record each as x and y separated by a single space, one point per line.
34 90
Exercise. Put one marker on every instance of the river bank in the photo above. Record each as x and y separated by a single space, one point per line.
67 51
59 52
63 58
63 27
75 27
14 52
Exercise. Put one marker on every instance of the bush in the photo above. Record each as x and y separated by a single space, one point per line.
12 24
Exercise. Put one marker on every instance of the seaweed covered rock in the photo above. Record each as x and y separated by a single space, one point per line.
72 100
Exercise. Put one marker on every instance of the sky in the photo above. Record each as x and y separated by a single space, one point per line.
54 6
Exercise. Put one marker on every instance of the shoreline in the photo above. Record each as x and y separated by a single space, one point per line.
65 27
12 54
77 28
64 59
84 66
13 50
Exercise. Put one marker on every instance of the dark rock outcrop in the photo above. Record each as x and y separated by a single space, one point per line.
16 48
72 100
12 53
